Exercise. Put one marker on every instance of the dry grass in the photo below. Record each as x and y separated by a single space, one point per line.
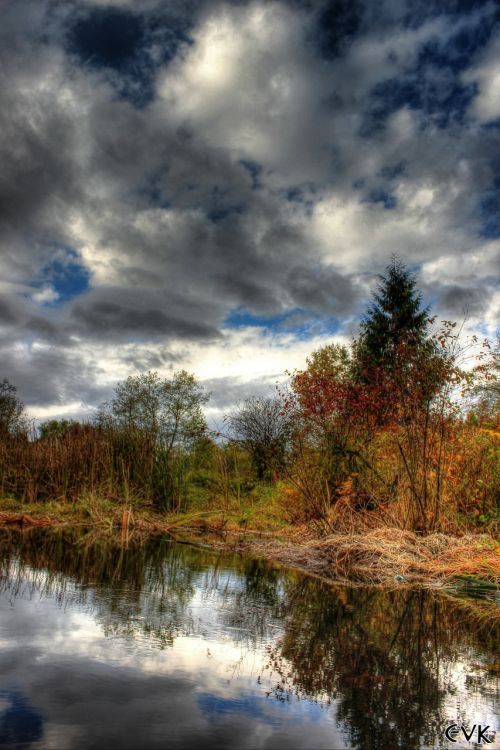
25 520
391 555
386 553
366 555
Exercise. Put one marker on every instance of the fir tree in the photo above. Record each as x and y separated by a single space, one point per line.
394 318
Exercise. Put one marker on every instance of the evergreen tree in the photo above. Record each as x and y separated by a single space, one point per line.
395 318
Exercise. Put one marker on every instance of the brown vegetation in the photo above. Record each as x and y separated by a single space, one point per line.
370 457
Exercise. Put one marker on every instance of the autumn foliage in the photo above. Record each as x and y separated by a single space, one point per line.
395 442
398 429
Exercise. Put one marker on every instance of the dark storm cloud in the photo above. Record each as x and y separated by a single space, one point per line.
145 360
21 320
332 293
7 315
46 329
51 375
461 301
111 319
165 164
38 177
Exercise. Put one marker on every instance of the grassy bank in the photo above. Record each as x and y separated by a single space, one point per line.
363 553
377 462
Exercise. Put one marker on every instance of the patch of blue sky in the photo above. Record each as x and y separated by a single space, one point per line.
243 318
433 85
151 191
295 194
393 171
220 213
65 276
300 194
431 301
417 13
489 207
128 45
388 200
222 205
337 23
255 170
302 324
492 125
441 102
483 329
457 53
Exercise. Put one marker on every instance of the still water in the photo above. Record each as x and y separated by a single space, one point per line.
164 645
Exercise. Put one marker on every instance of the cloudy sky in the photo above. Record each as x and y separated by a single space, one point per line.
216 185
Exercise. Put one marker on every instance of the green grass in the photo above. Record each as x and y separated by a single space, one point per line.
261 509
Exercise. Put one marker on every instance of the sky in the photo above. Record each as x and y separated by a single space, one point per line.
216 186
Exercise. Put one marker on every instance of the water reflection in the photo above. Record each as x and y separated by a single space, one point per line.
20 722
155 644
392 659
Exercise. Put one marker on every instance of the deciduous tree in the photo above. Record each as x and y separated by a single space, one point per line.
261 426
13 419
169 410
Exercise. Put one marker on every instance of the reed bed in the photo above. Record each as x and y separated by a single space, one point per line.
88 460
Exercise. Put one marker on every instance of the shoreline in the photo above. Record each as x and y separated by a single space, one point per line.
381 556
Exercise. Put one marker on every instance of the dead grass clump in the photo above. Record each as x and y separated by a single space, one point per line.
386 554
24 521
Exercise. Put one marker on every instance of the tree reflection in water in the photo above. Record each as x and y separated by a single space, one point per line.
387 659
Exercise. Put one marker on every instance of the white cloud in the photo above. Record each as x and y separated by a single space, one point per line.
479 262
249 360
365 234
45 296
486 74
177 233
57 411
249 85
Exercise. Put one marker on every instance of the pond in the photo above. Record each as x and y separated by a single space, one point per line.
157 644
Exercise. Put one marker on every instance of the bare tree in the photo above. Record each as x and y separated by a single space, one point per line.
486 394
261 426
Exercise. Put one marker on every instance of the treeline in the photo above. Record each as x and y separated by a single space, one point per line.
399 428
